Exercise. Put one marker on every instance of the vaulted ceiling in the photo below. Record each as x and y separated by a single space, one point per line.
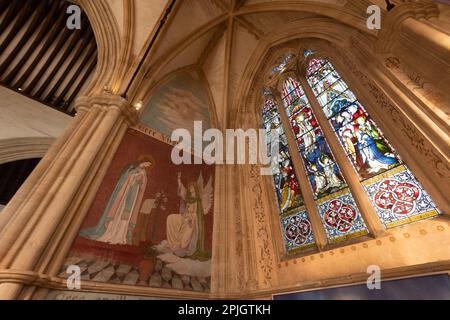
220 36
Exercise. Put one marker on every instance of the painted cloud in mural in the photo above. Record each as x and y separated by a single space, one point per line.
177 104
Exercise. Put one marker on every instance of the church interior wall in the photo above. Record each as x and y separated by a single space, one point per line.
141 257
212 69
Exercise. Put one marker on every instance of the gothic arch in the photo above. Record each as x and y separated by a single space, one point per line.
290 35
24 148
349 50
109 45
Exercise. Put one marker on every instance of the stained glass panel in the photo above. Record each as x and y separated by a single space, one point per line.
399 198
292 92
282 67
323 173
341 217
303 122
395 193
314 66
297 231
307 53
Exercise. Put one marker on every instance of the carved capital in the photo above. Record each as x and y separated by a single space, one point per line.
108 101
403 10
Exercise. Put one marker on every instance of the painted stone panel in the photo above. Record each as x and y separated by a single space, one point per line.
150 223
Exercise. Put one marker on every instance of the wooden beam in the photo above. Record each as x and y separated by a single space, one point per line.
82 82
60 100
10 15
79 51
74 40
58 27
38 17
63 36
41 33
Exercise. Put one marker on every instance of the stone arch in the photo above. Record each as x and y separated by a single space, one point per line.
332 40
290 35
109 44
16 149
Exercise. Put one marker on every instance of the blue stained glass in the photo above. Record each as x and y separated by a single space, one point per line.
349 114
307 53
297 231
307 140
394 191
341 217
323 173
399 198
332 102
287 187
282 67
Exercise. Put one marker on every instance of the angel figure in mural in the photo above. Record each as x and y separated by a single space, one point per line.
186 230
118 221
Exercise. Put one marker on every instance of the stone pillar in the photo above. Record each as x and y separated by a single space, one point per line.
36 213
421 48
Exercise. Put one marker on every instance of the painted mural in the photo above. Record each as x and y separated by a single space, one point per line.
177 104
150 223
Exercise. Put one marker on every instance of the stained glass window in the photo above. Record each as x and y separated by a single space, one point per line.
296 227
337 208
307 53
393 190
282 67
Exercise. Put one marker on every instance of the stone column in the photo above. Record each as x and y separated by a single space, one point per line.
408 36
49 195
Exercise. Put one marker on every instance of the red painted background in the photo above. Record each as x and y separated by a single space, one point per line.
162 176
